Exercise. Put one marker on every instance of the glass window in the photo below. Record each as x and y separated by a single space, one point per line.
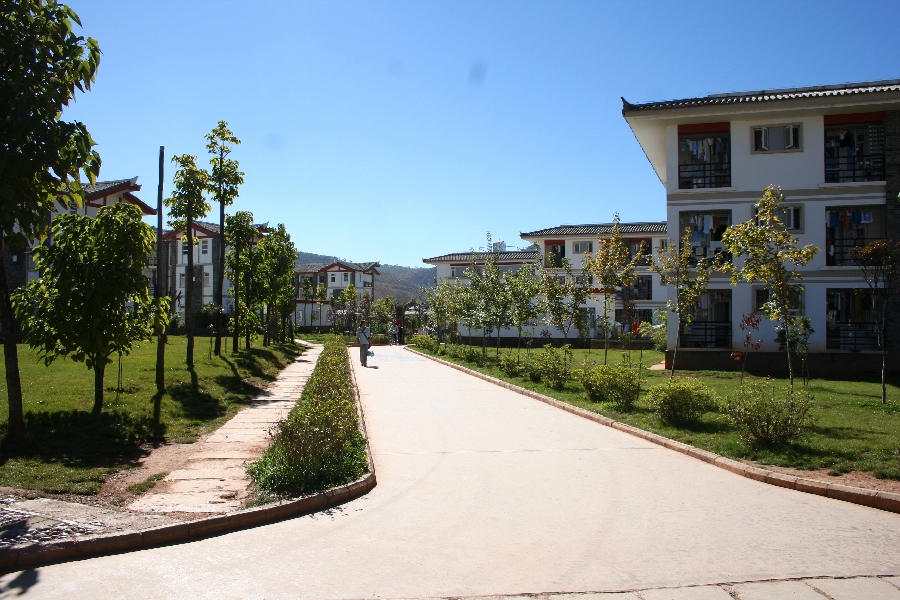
582 247
554 252
205 278
181 280
706 231
346 276
204 247
776 138
332 278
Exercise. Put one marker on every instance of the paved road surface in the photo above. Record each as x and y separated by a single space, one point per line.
482 491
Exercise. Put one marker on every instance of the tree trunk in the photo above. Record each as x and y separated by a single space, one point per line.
99 370
237 302
160 278
677 343
220 277
787 345
605 330
189 294
161 359
11 354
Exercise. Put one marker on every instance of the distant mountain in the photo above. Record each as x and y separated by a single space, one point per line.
403 283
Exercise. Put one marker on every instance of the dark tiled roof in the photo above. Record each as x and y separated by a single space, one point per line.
651 227
822 91
316 267
467 256
101 187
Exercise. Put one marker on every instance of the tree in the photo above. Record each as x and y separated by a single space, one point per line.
879 262
384 312
239 235
480 297
43 62
771 256
276 277
321 296
186 205
613 269
92 299
438 299
522 287
224 179
676 267
563 296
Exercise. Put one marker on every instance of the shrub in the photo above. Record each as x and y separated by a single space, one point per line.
681 401
555 364
510 364
607 383
426 342
319 444
531 367
378 339
765 416
472 354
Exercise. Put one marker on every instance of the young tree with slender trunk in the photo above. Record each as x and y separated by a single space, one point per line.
92 299
186 205
239 235
676 267
43 62
277 255
523 289
563 296
771 256
879 262
224 179
613 270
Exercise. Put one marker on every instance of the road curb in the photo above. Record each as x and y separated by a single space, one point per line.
37 555
875 499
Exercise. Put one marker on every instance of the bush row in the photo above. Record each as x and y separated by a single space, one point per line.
319 444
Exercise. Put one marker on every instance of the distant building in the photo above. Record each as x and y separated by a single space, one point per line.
335 277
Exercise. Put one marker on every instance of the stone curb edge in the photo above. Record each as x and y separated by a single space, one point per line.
875 499
37 555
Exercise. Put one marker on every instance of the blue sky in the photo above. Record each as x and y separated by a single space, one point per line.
395 131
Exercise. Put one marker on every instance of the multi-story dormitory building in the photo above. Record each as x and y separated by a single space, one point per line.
835 153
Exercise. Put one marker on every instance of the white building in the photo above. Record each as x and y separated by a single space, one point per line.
834 152
574 242
335 277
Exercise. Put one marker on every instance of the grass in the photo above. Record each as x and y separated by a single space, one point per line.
69 451
853 430
145 485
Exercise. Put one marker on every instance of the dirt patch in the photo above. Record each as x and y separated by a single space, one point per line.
860 479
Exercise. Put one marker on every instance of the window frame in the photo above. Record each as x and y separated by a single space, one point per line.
204 246
797 310
578 247
764 130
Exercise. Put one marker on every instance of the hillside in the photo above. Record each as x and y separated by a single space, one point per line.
403 283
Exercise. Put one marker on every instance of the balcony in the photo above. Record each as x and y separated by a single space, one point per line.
854 336
861 167
706 334
704 175
843 251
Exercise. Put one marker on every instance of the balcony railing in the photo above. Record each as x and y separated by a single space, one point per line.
851 336
706 334
843 251
704 175
862 167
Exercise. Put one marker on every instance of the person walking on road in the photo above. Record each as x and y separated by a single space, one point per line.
362 334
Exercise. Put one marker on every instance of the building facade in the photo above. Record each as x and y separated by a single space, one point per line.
334 278
833 150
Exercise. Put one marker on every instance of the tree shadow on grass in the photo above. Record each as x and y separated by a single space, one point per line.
196 403
80 439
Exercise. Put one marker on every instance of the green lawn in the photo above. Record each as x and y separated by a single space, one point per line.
67 450
852 429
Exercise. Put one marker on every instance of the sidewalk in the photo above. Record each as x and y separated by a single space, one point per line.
213 480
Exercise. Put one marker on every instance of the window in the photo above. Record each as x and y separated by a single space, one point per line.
854 152
664 244
554 252
204 247
332 278
641 289
704 155
710 325
456 271
635 246
850 320
582 247
367 284
850 227
776 138
29 262
181 280
184 248
588 279
790 217
761 296
205 278
706 231
346 276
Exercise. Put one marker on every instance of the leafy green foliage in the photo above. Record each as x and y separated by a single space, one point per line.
772 256
319 445
92 300
618 384
563 296
555 365
426 342
766 416
510 364
681 401
275 276
240 266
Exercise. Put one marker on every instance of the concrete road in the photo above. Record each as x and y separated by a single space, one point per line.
482 491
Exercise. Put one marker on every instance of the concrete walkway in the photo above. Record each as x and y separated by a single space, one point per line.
214 479
483 492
